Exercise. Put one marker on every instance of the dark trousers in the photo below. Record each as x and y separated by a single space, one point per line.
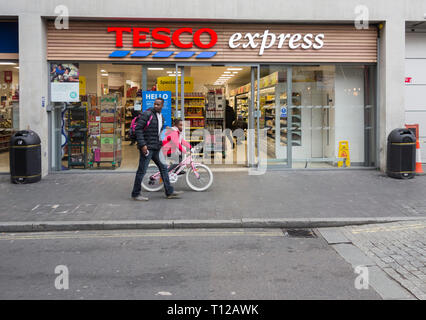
143 166
228 133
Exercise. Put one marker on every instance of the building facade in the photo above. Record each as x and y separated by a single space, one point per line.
343 65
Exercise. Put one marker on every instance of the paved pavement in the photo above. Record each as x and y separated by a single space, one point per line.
234 195
175 264
393 250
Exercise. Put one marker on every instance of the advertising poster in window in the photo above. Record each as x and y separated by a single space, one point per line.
64 82
148 98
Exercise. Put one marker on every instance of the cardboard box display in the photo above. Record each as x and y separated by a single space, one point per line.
107 147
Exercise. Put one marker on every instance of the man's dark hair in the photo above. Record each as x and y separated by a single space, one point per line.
161 99
176 121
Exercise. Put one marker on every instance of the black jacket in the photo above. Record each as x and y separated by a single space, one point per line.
148 137
229 117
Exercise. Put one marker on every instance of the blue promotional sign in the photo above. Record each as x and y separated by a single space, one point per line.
148 98
283 112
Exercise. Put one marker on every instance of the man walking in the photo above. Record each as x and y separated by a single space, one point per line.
148 129
229 119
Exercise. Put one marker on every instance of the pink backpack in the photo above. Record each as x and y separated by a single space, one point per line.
132 132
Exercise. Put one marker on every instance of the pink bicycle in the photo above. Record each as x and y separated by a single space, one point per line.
199 177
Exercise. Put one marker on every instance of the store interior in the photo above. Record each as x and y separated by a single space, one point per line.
9 108
205 98
94 133
324 97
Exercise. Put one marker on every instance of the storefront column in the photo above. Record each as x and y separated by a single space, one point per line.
33 80
391 82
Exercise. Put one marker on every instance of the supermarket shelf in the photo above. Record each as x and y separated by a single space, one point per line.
194 117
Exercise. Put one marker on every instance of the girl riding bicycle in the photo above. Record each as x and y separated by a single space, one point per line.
174 141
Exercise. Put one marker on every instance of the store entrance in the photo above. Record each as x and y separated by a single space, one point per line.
216 103
217 107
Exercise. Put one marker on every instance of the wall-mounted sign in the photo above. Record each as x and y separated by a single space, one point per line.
266 40
82 85
224 42
64 82
169 84
148 99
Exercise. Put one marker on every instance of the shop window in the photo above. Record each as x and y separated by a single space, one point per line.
333 107
9 108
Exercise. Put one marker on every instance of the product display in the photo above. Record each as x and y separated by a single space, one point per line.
194 116
215 117
8 120
94 130
77 135
133 102
110 128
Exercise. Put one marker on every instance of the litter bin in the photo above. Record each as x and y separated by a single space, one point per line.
401 154
25 157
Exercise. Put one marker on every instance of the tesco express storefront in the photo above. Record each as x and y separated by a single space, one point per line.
329 71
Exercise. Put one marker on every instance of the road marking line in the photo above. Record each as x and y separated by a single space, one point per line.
127 235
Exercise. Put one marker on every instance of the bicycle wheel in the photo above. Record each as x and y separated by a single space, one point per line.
152 185
204 180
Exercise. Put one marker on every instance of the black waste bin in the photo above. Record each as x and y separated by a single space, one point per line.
401 154
25 157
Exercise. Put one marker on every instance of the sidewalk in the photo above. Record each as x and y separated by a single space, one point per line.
390 251
234 195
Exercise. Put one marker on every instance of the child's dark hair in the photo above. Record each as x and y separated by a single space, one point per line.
176 122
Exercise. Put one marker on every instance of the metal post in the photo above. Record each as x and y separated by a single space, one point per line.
144 78
251 122
182 101
289 117
258 115
176 93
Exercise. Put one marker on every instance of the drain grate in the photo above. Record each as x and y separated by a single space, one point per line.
299 233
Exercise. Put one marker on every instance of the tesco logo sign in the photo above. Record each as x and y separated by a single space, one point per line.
163 37
145 39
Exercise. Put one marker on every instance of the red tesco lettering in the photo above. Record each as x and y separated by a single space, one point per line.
163 37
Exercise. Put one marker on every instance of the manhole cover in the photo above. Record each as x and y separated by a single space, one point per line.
299 233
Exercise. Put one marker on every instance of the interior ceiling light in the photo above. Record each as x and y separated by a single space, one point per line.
234 69
227 72
103 70
235 72
105 74
155 68
7 63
